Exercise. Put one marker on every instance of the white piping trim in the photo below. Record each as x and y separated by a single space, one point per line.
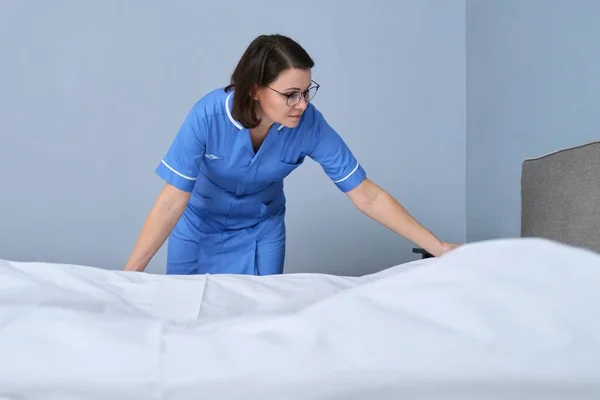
233 121
178 173
349 175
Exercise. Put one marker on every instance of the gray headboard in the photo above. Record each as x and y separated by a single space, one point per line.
560 196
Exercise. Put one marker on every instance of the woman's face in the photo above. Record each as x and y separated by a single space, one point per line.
283 101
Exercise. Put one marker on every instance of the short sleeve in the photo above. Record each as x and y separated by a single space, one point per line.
334 156
180 165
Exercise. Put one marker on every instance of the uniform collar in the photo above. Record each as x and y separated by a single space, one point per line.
230 116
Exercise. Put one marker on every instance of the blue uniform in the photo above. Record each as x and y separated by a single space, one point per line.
234 221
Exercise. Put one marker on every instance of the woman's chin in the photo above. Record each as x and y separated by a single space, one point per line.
291 121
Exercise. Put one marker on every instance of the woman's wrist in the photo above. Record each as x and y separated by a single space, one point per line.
428 242
435 247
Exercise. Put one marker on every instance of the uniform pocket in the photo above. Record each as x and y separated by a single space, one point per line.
285 168
200 203
292 164
273 206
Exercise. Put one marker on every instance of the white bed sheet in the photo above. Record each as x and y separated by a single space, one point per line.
505 319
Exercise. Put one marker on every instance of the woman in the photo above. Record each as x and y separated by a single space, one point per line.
223 205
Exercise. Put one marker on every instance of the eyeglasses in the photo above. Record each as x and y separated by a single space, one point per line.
294 98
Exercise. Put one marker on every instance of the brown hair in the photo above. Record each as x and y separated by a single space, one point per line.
262 62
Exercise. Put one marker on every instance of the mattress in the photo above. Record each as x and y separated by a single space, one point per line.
502 319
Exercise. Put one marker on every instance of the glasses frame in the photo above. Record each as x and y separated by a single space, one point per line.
295 97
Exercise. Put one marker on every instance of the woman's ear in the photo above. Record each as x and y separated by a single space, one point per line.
254 93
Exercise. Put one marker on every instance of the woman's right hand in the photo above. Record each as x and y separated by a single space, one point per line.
163 217
447 247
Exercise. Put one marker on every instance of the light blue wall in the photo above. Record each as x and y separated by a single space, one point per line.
533 86
93 92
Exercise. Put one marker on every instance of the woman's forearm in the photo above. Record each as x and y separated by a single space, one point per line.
388 212
163 217
383 208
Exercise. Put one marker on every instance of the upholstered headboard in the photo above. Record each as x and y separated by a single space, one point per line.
560 196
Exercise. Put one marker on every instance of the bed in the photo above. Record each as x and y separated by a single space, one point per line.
500 319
